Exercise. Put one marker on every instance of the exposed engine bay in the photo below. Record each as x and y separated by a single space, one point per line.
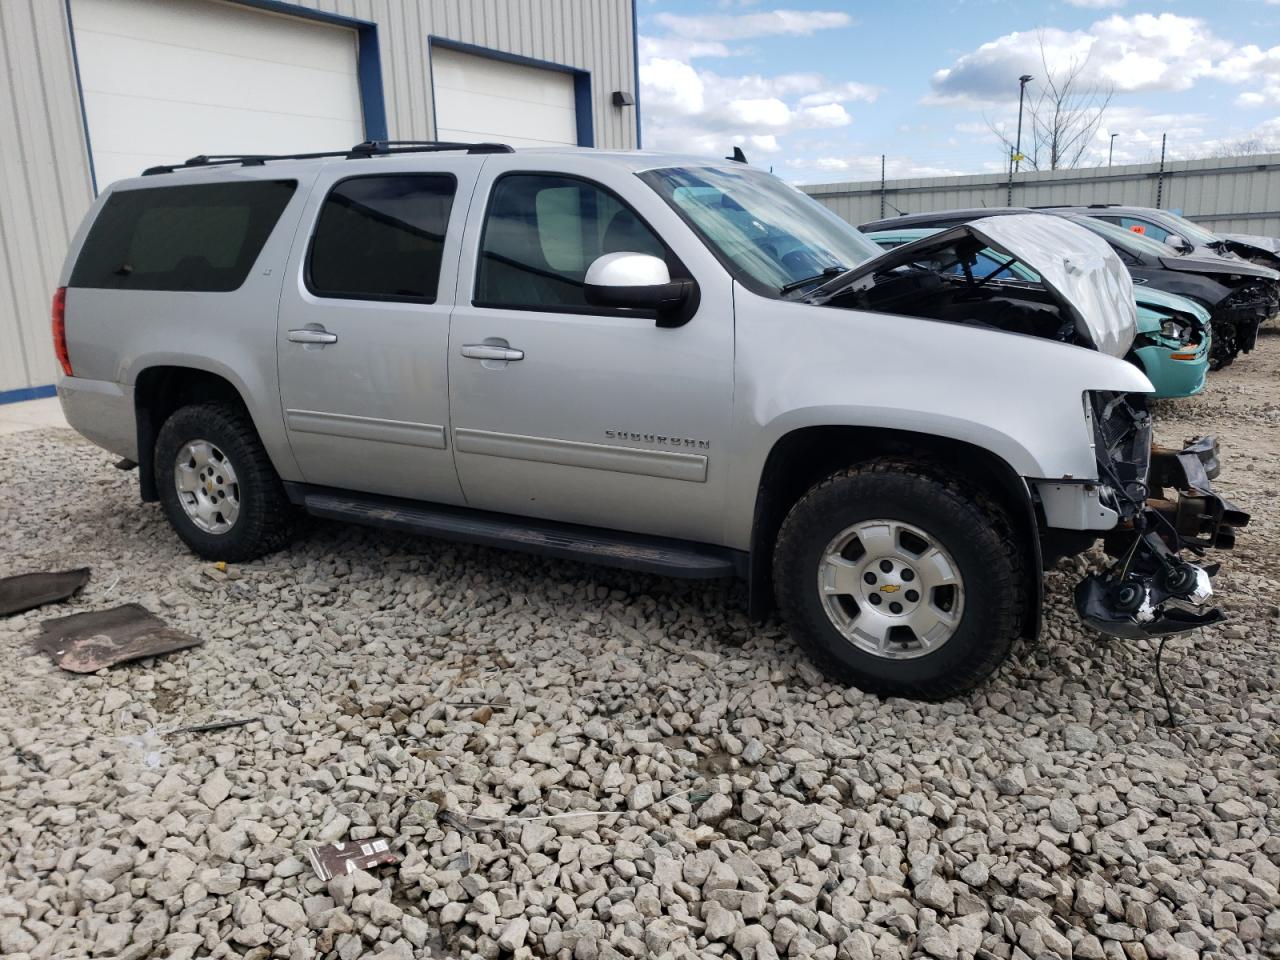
1166 504
1084 297
923 292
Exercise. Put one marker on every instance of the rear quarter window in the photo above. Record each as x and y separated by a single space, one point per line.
194 237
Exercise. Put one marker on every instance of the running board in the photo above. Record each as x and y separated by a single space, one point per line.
670 558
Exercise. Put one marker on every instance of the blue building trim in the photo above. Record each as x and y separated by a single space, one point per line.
635 67
84 115
582 103
373 105
28 393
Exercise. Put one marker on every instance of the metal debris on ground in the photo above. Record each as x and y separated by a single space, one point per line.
26 591
335 859
86 642
214 725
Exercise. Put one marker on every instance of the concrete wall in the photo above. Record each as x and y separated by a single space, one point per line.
45 183
1232 195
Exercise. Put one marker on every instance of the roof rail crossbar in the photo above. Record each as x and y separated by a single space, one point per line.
367 148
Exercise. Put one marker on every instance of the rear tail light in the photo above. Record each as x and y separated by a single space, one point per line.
60 330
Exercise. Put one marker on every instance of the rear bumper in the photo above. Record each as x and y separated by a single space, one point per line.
1150 591
101 411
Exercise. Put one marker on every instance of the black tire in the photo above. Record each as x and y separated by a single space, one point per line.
265 519
972 529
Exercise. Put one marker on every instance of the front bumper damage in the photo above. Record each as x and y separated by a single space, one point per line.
1166 506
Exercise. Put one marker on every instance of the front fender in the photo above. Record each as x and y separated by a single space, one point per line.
1018 397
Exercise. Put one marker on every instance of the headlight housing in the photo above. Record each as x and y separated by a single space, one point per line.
1174 330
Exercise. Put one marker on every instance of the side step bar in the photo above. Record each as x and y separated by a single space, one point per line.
670 558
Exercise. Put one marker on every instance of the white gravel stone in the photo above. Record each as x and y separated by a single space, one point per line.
410 689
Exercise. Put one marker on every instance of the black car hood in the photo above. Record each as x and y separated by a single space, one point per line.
1242 268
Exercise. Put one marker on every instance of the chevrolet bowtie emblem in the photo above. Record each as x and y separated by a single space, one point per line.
890 588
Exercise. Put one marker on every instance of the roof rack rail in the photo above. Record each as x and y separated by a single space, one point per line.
362 150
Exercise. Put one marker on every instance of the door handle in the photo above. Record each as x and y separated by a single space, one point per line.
491 351
312 334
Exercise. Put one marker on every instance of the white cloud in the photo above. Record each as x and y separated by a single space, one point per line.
721 27
687 108
856 167
1141 52
1252 64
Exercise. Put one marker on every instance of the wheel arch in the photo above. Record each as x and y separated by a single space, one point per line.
804 456
160 390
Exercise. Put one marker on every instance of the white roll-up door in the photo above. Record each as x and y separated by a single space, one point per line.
164 81
479 98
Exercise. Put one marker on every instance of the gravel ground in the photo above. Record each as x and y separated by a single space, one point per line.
725 800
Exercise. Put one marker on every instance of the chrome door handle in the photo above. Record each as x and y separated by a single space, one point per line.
312 335
490 351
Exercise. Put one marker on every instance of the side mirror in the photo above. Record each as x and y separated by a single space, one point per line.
1178 242
640 281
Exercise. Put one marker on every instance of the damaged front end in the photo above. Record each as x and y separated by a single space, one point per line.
1166 505
1236 320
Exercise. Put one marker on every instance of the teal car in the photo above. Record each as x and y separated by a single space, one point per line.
1172 345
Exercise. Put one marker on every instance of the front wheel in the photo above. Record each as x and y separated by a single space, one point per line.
217 485
900 581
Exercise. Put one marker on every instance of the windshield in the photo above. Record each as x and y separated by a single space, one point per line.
767 234
1125 239
1192 231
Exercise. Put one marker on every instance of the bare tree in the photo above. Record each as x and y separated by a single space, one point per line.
1244 147
1062 116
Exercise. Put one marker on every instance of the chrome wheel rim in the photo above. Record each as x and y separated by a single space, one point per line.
207 486
891 589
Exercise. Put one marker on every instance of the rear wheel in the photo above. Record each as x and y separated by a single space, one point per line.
217 486
900 581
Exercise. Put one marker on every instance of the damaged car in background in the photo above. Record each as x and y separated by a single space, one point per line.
1150 503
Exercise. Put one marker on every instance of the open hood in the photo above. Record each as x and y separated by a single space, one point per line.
1077 267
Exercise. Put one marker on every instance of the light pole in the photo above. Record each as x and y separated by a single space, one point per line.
1022 89
1111 149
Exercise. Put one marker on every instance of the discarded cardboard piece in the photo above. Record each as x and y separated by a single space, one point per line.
336 859
26 591
85 642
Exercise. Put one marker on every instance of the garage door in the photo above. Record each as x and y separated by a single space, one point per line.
166 81
480 98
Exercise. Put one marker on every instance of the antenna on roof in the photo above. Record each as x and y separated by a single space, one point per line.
738 156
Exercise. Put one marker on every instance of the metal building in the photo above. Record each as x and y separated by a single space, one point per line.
1228 194
101 89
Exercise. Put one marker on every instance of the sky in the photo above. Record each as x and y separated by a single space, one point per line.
818 91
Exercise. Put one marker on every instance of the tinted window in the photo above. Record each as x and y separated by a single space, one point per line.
542 233
197 237
1143 228
382 238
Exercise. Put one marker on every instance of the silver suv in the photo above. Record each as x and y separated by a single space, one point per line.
669 364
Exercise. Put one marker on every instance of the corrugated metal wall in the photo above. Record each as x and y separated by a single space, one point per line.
1233 195
45 185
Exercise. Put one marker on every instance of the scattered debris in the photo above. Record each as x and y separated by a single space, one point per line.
86 642
215 725
26 591
336 859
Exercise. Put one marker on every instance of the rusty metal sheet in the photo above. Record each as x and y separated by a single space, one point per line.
27 591
85 642
335 859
